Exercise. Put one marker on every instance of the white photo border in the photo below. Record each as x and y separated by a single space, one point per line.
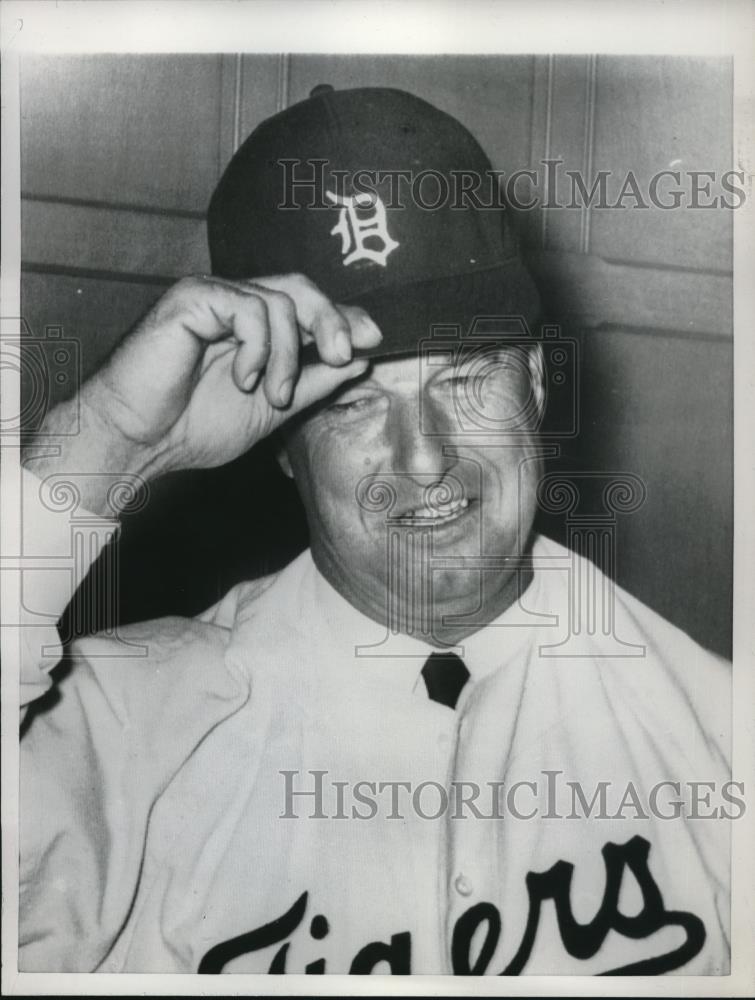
641 27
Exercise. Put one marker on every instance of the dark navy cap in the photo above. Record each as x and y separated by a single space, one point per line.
360 191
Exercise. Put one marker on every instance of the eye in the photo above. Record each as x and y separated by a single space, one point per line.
351 405
456 381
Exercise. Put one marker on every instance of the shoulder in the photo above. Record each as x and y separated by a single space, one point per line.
145 669
271 605
149 645
238 599
173 660
581 583
629 659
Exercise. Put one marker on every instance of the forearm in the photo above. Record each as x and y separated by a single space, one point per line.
77 440
78 477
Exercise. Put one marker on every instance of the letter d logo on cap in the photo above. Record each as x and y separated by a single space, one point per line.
356 229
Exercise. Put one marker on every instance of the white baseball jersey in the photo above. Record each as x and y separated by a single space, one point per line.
262 789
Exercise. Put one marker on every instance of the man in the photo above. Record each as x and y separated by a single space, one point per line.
342 768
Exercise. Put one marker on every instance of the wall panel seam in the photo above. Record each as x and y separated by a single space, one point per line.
589 146
547 141
284 81
114 206
96 274
238 86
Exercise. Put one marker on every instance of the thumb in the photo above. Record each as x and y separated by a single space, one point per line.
320 380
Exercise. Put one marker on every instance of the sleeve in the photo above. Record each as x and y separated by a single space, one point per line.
93 767
58 543
84 797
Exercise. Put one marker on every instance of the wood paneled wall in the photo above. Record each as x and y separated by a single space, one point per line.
121 153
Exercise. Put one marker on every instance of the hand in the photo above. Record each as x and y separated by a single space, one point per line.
212 369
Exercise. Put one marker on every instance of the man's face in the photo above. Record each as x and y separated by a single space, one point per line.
418 461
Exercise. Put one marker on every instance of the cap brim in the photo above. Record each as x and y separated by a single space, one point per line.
409 315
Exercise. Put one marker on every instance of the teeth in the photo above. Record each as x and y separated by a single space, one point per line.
435 513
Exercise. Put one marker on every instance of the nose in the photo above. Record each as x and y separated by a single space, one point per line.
418 432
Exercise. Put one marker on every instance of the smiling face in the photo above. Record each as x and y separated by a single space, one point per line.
416 462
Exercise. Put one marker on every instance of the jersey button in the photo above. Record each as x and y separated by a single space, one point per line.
463 886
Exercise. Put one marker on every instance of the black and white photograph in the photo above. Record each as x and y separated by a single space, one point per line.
369 493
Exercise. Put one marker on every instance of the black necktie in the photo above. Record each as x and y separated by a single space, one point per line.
445 675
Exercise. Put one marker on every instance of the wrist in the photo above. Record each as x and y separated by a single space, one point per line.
74 442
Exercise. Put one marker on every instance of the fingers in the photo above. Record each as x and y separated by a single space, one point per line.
250 323
335 329
269 319
266 328
283 362
364 331
319 381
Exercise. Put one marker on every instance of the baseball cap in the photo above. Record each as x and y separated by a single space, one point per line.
362 190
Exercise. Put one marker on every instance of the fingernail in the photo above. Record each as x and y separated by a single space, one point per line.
284 390
250 381
374 327
342 346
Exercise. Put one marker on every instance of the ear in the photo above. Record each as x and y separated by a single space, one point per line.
537 378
